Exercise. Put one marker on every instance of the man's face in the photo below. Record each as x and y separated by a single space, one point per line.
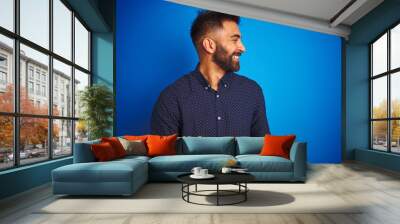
229 47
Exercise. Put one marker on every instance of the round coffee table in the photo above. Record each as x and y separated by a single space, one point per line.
238 179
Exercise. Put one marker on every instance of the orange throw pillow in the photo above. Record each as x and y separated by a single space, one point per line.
161 145
277 145
103 151
116 145
135 138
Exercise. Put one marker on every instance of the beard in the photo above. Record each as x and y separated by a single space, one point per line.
225 61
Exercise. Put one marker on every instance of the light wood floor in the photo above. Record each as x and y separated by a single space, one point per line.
377 188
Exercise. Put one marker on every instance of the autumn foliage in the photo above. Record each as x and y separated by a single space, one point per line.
33 131
380 127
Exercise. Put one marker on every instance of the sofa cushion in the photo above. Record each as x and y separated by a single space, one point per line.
185 163
257 163
103 152
136 147
116 145
208 145
277 145
249 145
111 171
159 145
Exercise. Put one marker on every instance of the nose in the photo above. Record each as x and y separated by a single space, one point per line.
241 47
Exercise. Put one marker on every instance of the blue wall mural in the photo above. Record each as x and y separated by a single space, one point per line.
298 70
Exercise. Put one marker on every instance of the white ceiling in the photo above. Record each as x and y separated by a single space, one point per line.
317 15
321 9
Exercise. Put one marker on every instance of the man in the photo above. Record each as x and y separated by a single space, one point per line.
212 100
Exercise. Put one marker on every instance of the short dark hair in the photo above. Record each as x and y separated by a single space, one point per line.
209 20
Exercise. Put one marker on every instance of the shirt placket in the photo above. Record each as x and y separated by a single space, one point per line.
220 119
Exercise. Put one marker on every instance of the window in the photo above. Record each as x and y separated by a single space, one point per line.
30 87
30 72
3 72
43 77
62 74
385 91
3 78
47 76
6 73
62 29
38 73
7 14
35 21
44 91
3 61
38 89
81 45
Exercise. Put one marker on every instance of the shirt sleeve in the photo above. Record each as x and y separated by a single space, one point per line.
259 126
165 119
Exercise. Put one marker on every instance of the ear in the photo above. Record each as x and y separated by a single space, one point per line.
209 45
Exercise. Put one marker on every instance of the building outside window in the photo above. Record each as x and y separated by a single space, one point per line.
56 134
3 72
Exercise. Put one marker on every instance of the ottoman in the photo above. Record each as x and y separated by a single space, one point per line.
118 177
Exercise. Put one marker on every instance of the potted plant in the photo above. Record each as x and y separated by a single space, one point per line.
97 105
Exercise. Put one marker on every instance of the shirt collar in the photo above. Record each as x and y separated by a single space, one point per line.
225 81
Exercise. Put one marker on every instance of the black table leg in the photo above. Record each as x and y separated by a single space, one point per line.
188 190
245 193
217 194
196 188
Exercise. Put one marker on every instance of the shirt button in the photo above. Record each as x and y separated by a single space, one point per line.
206 88
217 95
225 85
219 118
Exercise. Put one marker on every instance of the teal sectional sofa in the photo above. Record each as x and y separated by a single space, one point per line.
125 176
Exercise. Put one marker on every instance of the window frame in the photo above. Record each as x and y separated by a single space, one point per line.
16 115
388 74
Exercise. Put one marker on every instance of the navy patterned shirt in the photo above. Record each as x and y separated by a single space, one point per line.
190 107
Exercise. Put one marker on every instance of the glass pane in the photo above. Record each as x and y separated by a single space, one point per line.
35 21
379 55
6 142
395 47
395 94
395 136
81 131
6 74
33 140
379 135
81 81
62 89
7 14
62 138
62 29
81 45
34 81
379 98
